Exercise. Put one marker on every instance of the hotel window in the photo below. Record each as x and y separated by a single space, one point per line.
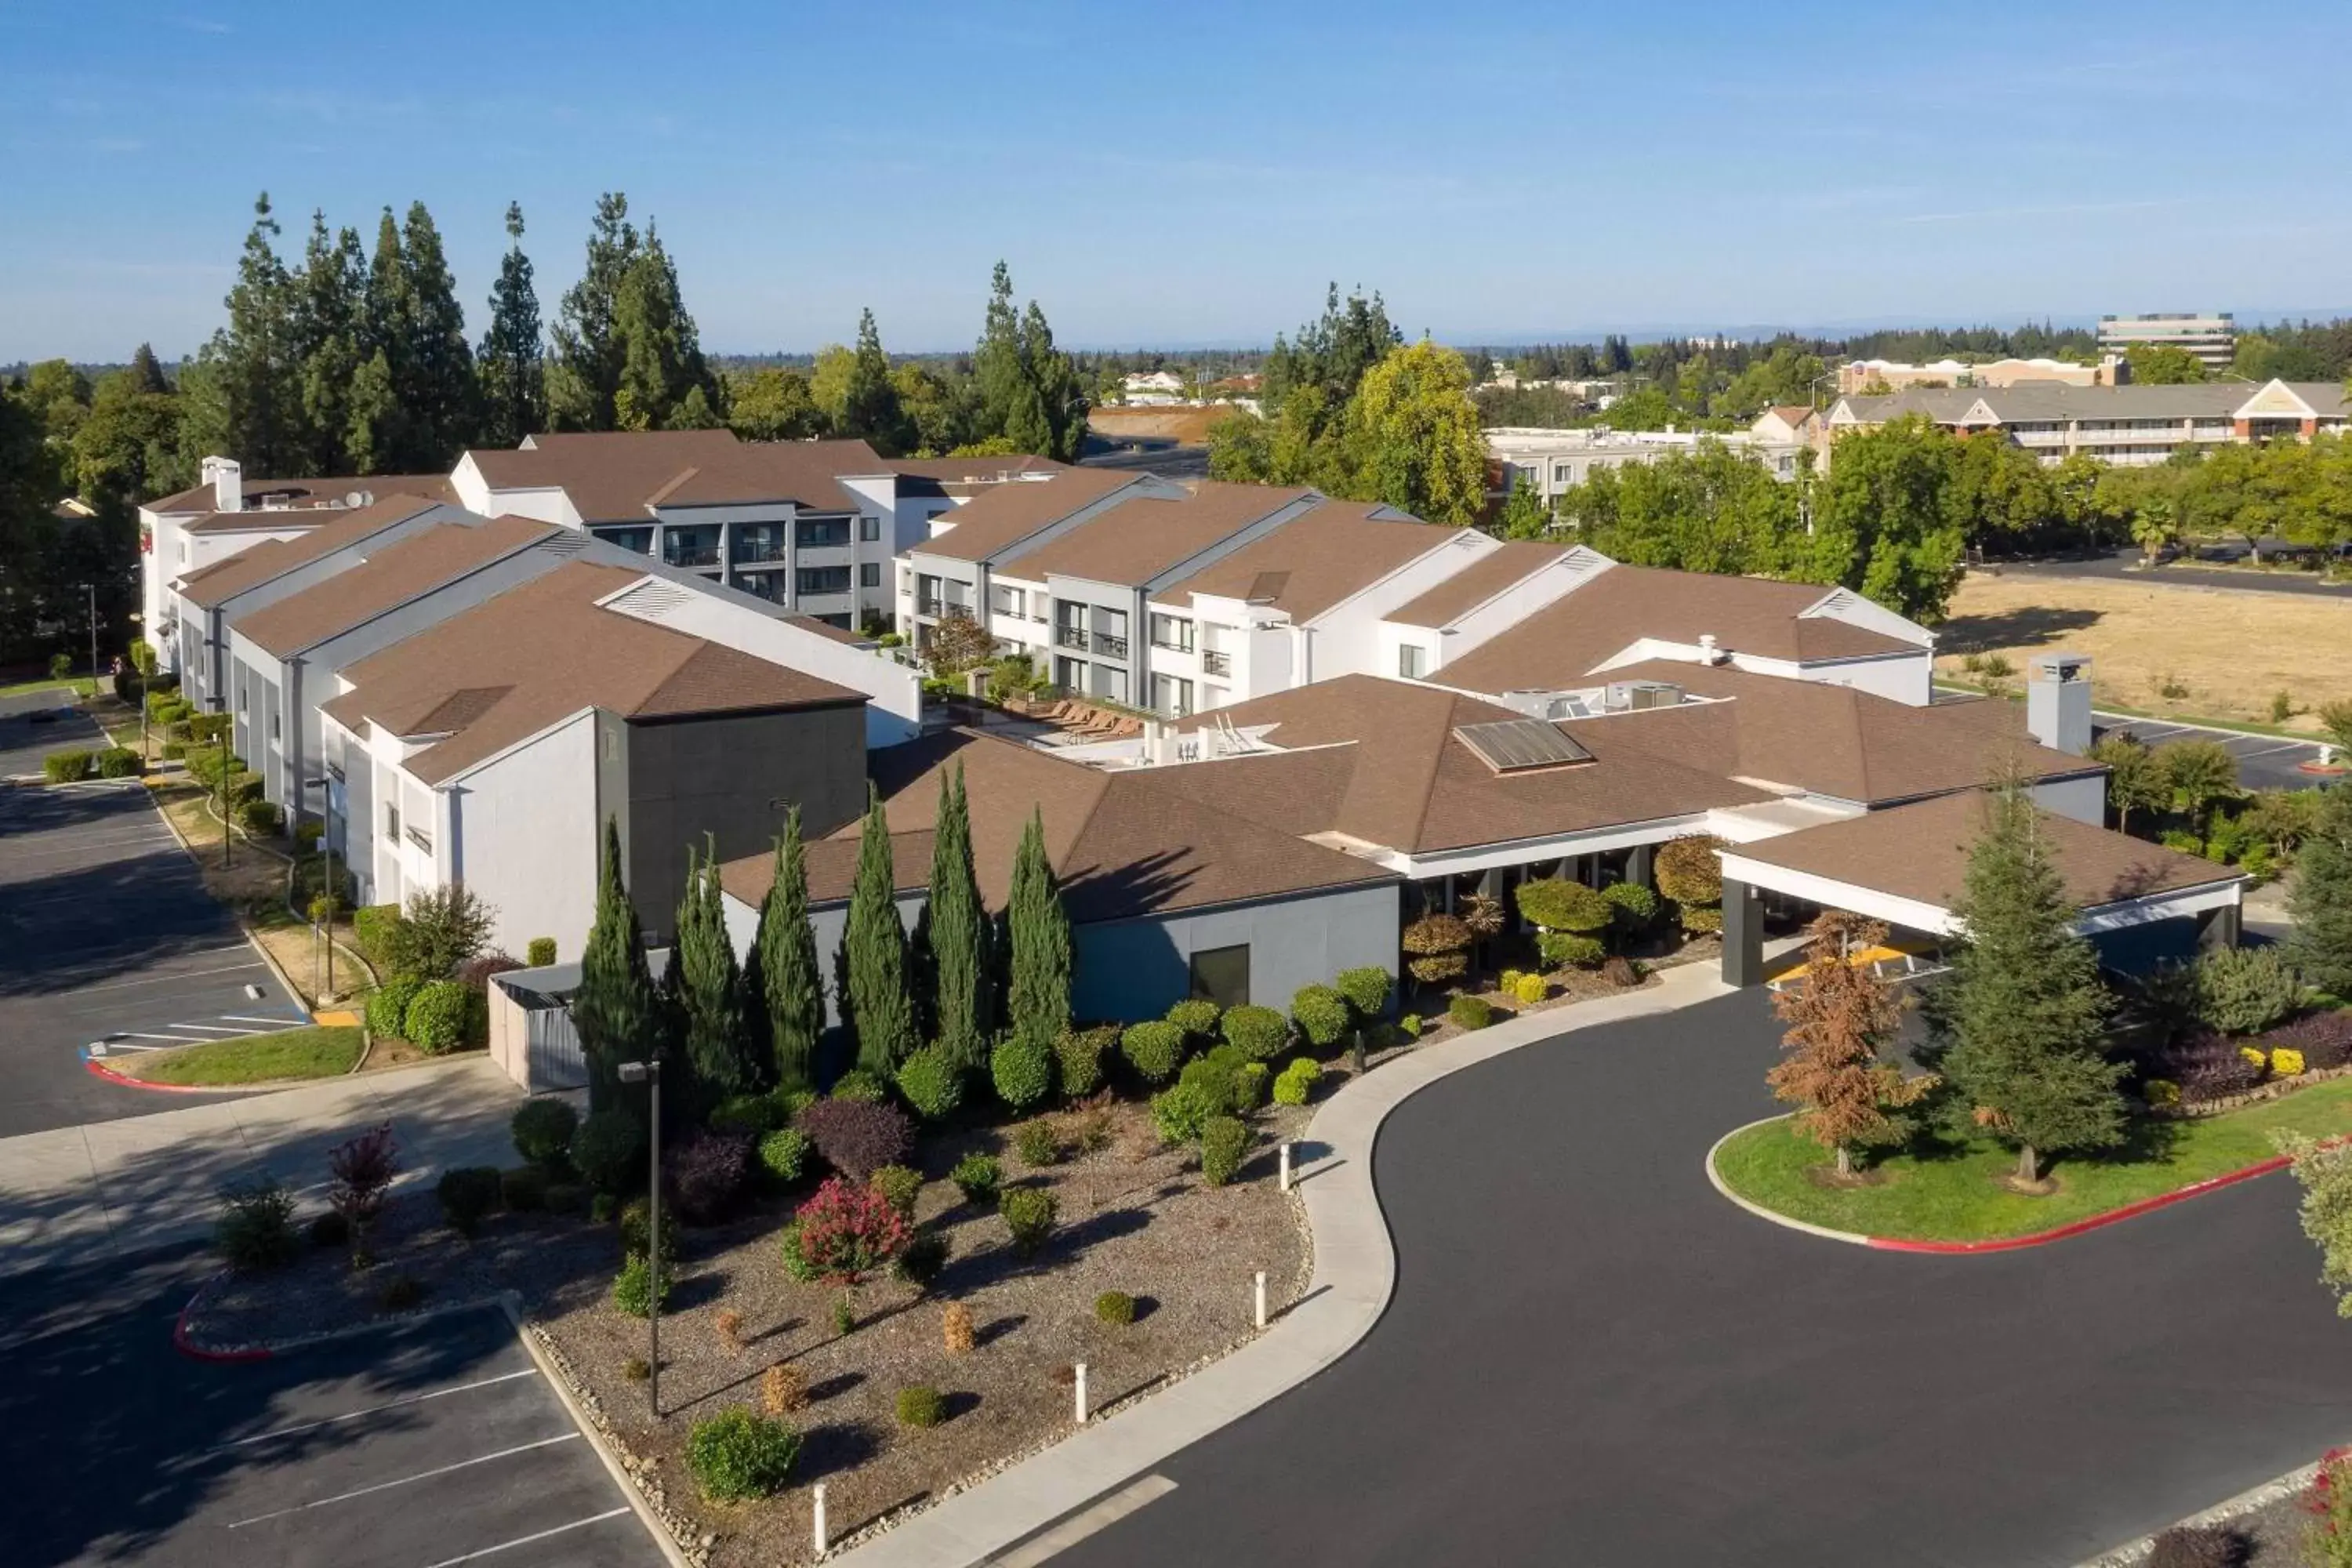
870 529
274 730
1172 632
1171 696
1409 662
810 580
1008 601
391 822
869 573
1222 974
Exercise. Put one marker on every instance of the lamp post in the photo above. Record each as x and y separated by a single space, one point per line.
648 1072
91 589
226 834
327 888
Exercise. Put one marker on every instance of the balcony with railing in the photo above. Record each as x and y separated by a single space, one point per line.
1070 637
1103 643
690 546
419 837
821 533
1215 662
758 543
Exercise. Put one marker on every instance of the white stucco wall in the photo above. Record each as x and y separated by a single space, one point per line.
522 834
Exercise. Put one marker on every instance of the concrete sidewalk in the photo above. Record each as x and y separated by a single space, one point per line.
1355 1272
86 1194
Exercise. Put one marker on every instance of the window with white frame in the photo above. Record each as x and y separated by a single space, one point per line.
1411 661
1172 632
870 529
1171 696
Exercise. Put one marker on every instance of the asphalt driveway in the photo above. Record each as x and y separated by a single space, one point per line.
2264 762
1592 1358
2122 564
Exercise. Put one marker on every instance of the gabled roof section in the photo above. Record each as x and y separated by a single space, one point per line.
1005 515
272 559
1146 535
408 569
265 496
1330 552
1491 574
806 473
609 475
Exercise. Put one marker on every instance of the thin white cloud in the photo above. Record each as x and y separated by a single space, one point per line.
2052 209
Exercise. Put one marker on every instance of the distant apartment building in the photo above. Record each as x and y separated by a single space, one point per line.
1551 462
2123 425
1862 376
2212 339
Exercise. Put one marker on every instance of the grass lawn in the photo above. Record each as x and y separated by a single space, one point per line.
310 1052
1953 1194
79 685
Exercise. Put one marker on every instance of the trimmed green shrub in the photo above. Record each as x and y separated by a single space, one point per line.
387 1005
1079 1055
539 951
207 728
1224 1143
636 1229
1022 1069
931 1084
977 1176
859 1085
374 927
925 1255
609 1151
467 1194
119 762
1028 1214
796 1257
1687 870
243 788
543 1131
68 766
1562 948
261 817
921 1407
2244 989
2182 839
784 1156
1257 1033
1528 990
1037 1144
1321 1017
256 1229
1116 1307
1181 1112
603 1208
175 750
524 1188
1249 1086
1635 905
1366 989
736 1456
899 1187
1413 1024
566 1197
1153 1050
435 1023
1470 1012
1556 903
792 1098
632 1288
1296 1083
1195 1016
754 1113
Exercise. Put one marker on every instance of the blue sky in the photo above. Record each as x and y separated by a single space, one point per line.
1193 174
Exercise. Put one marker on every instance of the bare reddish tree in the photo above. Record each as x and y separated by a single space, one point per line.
1847 1097
363 1168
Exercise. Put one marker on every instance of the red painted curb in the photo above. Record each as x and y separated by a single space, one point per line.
111 1076
2330 770
193 1352
2097 1221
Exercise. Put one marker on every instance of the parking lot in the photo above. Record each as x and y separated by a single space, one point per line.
426 1446
2264 762
106 934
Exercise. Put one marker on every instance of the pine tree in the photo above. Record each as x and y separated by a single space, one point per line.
1030 392
328 298
251 395
2018 1027
438 389
1037 999
710 993
2319 896
870 408
873 963
781 975
377 438
510 360
1839 1022
664 384
616 1010
583 373
957 933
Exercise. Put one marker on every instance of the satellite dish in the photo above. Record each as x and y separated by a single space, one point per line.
355 497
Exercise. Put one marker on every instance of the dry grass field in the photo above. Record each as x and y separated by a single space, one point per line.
2220 654
1189 427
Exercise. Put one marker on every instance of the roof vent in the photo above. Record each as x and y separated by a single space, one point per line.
651 600
1708 653
357 499
1521 745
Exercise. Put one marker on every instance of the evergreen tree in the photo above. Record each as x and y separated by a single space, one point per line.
1031 395
782 973
1037 999
664 382
1839 1021
328 300
875 996
583 373
710 993
957 933
438 391
616 1010
510 362
2017 1028
252 409
2320 895
377 437
870 405
146 372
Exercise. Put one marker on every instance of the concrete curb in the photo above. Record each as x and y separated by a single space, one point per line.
253 938
1355 1274
2253 1498
1997 1244
127 1081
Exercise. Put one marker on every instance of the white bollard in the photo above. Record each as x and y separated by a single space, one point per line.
1260 1298
819 1490
1286 1167
1082 1394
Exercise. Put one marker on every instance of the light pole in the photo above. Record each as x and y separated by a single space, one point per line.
648 1072
327 888
226 834
91 589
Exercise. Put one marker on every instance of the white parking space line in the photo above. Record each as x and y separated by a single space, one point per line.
527 1540
409 1480
215 1028
82 847
2273 751
374 1410
243 1018
177 975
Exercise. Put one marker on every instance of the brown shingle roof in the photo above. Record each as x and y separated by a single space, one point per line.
1144 536
806 473
974 470
608 474
1311 563
1563 644
272 559
1007 514
1920 852
267 496
402 571
543 651
1476 584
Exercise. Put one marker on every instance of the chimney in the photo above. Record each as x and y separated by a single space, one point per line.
227 475
1708 651
2058 702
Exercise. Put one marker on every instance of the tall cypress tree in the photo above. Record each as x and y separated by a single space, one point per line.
710 992
616 1010
328 296
583 373
438 389
780 976
249 403
873 955
958 954
509 363
2018 1028
871 407
664 384
2319 895
377 437
1037 999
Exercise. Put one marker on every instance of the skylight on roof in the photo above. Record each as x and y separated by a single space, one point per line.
1521 745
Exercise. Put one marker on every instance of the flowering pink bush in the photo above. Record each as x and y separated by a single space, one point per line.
846 1230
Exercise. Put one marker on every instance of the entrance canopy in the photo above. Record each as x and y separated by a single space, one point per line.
1906 866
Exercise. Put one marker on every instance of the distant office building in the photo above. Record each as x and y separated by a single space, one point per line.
1893 375
1552 462
2212 339
2122 425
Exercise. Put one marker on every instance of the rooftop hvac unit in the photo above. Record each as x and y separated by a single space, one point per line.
1641 694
